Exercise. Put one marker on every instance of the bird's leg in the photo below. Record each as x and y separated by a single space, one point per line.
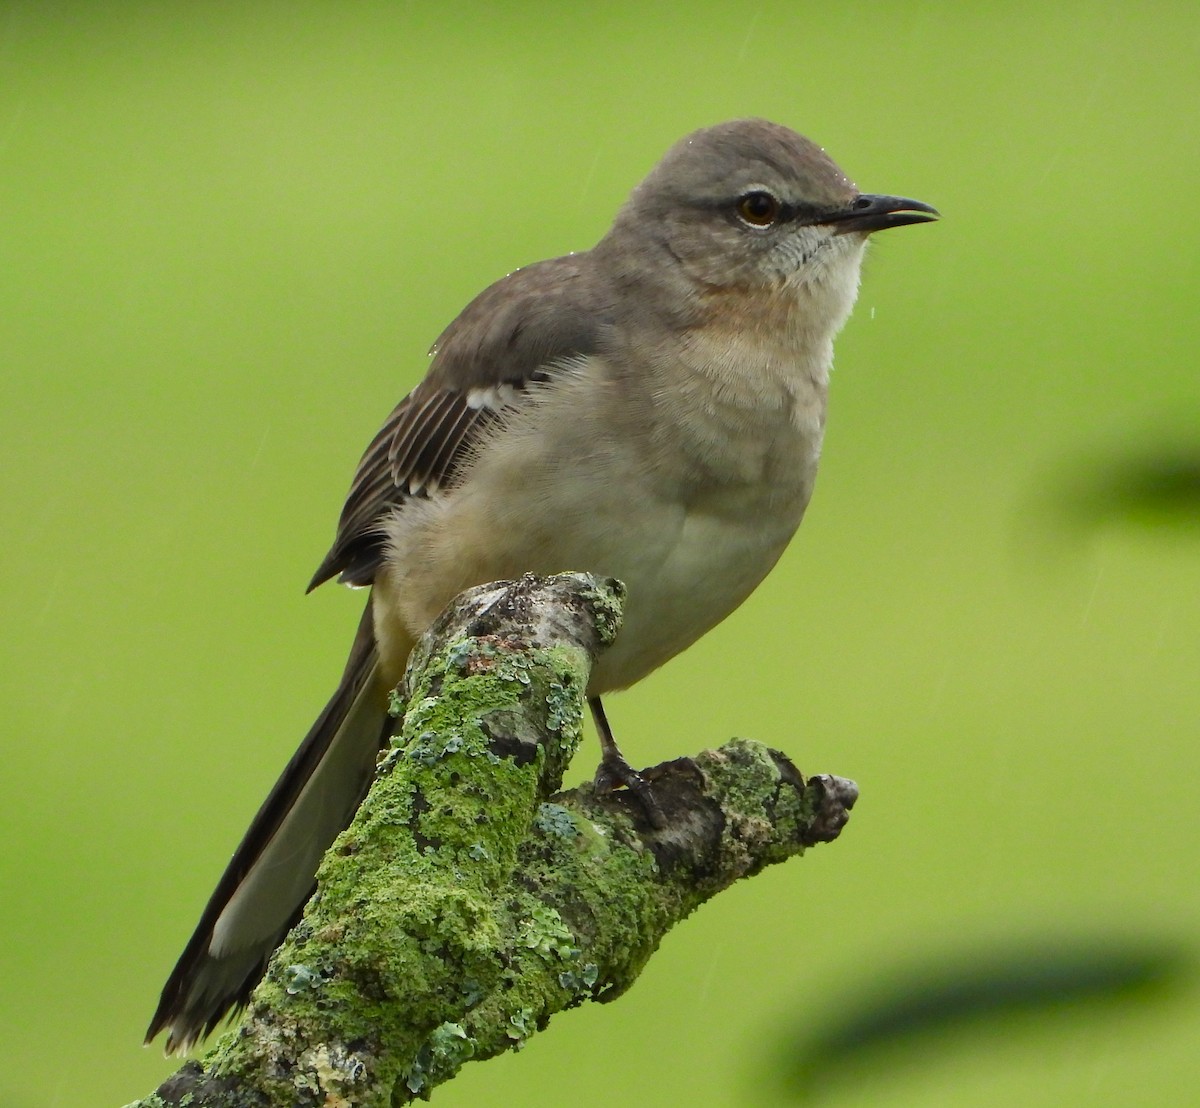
614 770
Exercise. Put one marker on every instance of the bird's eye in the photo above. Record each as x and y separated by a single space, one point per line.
758 208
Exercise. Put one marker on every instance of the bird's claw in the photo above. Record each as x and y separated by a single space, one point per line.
614 772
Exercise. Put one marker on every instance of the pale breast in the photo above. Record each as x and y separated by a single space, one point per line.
689 504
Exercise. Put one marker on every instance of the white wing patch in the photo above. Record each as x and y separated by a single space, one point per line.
492 397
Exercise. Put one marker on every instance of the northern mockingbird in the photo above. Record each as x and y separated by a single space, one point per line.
650 409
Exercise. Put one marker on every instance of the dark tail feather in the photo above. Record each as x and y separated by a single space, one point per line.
272 872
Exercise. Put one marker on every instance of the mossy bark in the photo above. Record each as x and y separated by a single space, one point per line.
468 902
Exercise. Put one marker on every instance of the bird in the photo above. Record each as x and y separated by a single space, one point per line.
651 409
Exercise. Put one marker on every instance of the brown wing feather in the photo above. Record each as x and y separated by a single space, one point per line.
514 334
415 464
467 425
416 453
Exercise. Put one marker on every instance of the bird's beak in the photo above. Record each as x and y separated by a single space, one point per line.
867 213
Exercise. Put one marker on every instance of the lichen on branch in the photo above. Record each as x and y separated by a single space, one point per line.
469 901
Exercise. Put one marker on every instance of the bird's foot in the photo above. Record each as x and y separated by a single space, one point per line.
614 772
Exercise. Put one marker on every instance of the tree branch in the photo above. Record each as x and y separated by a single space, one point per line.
467 903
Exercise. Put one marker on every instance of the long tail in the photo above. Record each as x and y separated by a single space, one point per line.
272 873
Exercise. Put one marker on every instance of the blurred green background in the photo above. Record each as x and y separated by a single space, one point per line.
228 233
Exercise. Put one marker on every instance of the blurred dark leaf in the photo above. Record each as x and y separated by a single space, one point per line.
924 1009
1149 488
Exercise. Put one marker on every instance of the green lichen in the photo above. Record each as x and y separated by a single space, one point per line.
521 1027
463 908
581 981
556 700
397 703
300 978
766 814
412 885
458 653
607 602
545 933
554 819
439 1058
